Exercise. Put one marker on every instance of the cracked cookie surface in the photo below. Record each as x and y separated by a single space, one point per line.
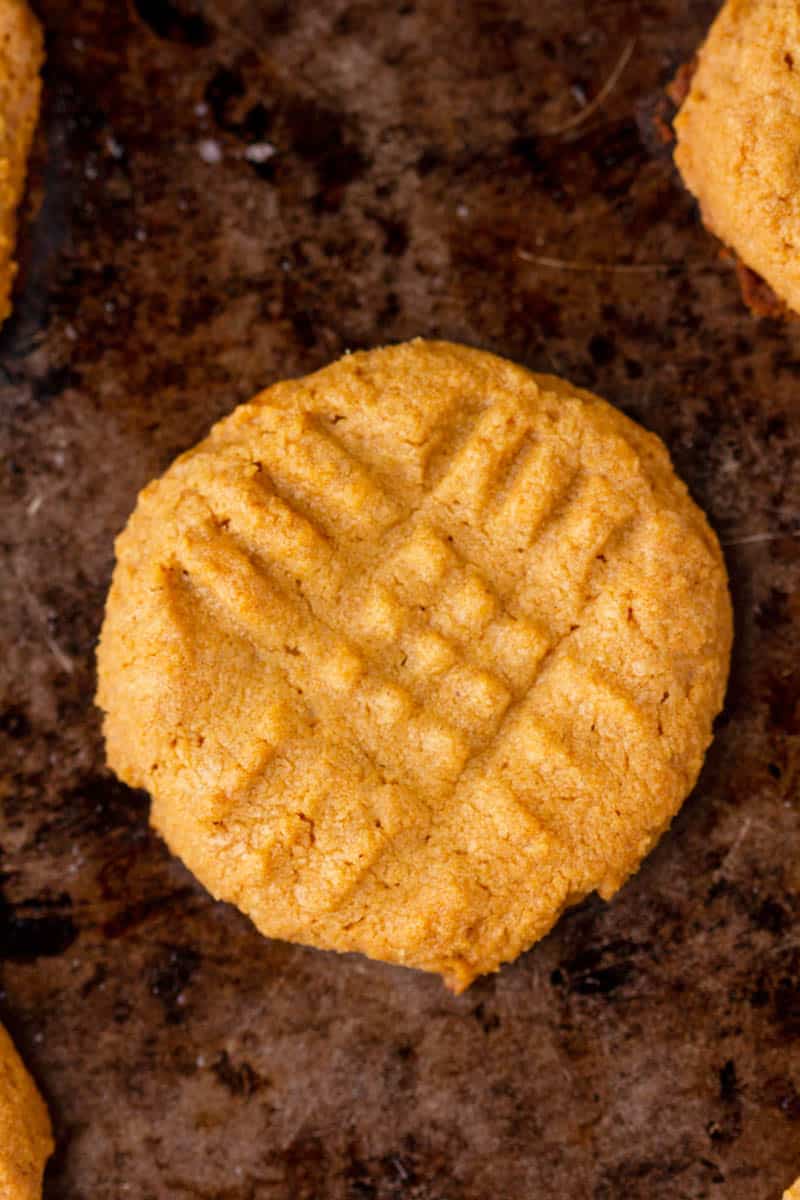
25 1139
738 135
414 652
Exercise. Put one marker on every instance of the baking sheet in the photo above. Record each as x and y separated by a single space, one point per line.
230 193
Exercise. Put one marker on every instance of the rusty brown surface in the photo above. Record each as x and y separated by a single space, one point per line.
430 176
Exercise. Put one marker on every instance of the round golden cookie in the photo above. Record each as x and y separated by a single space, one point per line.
414 652
21 53
738 137
793 1193
26 1142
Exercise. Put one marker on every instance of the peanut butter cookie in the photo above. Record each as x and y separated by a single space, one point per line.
20 60
26 1142
738 137
414 652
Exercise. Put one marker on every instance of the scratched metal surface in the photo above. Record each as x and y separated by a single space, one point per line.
439 168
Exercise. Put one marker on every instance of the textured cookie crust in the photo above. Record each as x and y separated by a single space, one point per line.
739 138
25 1139
414 652
794 1191
21 56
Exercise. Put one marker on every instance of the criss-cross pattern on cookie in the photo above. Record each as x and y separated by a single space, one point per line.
412 628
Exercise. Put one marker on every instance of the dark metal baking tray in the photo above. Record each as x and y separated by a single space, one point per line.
224 194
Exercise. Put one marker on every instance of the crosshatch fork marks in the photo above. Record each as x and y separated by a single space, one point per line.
466 637
429 629
323 666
